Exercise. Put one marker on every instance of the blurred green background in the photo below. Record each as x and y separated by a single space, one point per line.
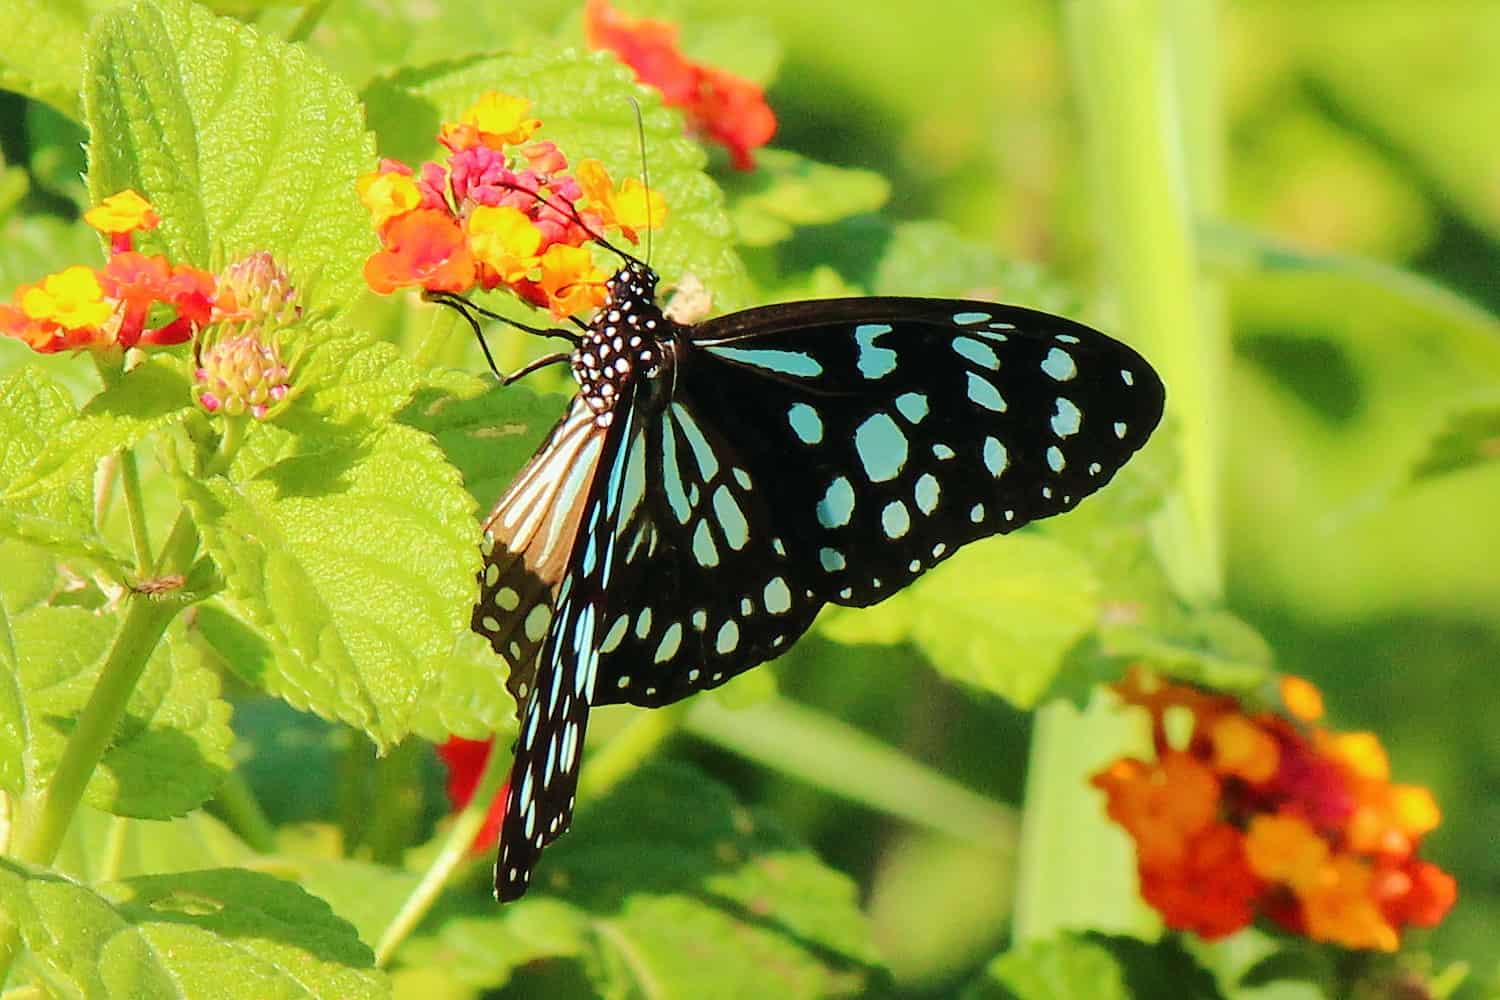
1360 131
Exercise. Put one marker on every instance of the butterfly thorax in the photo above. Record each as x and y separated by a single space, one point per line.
629 339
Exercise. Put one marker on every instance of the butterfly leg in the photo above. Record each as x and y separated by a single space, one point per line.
540 363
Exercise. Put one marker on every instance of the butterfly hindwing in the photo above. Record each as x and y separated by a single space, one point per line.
528 538
549 745
890 432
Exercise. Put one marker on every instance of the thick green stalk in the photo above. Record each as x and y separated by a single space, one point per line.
1145 73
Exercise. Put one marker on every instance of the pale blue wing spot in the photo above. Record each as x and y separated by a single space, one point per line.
700 619
778 597
671 475
643 623
981 354
1127 376
742 477
912 406
983 392
996 458
997 325
731 518
837 505
1095 468
615 635
781 362
1067 419
708 465
942 451
915 566
927 493
747 607
635 480
990 335
1120 429
1046 492
1059 364
728 638
704 549
1055 460
976 513
969 318
895 520
938 550
805 422
832 559
490 623
670 640
874 362
536 622
881 447
1066 338
491 574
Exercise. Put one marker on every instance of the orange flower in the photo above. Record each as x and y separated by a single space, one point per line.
1161 805
1285 849
722 106
424 247
1242 748
1301 698
1210 891
1340 907
571 281
631 208
1327 841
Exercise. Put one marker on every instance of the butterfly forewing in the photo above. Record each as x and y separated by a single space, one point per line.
889 432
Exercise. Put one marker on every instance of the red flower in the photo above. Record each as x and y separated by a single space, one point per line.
465 760
726 108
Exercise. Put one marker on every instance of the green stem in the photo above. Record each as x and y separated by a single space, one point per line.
623 755
114 849
1152 140
311 15
44 824
135 511
1145 72
435 343
244 813
454 852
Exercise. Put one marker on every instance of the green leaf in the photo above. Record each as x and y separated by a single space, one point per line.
151 396
1469 439
33 411
691 895
787 190
348 570
240 141
1096 966
43 53
171 749
483 953
998 616
222 934
583 102
145 846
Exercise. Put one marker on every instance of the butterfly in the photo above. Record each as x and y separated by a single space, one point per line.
712 486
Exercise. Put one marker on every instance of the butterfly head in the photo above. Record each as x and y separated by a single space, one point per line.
627 339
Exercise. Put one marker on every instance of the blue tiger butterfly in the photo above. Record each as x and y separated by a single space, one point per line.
712 486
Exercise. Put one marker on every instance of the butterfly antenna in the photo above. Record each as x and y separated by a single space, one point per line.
640 131
571 211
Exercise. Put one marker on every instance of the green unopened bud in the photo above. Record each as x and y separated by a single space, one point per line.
241 374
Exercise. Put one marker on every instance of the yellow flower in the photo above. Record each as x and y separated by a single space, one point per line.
504 241
1340 907
388 194
496 120
122 213
632 207
1285 849
70 298
1301 699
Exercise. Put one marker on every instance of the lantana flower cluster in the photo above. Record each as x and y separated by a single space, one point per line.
719 105
1252 813
502 211
134 300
